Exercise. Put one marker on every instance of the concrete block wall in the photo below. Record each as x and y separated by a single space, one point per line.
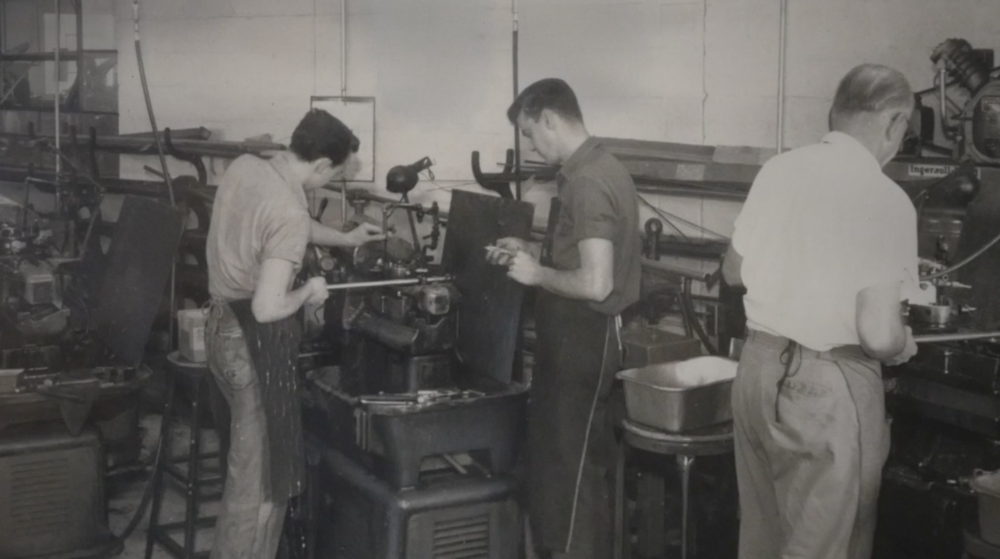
693 71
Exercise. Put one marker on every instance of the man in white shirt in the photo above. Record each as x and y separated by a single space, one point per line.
826 246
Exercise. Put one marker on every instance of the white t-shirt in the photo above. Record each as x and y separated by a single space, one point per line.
822 223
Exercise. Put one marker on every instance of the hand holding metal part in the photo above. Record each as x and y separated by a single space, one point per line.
505 249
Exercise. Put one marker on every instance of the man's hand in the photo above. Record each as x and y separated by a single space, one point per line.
503 252
317 291
524 268
364 233
909 350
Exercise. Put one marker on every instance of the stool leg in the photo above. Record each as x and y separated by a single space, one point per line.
194 459
163 453
620 532
685 463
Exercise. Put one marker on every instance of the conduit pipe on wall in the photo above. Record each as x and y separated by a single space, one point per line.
782 24
343 48
58 47
517 130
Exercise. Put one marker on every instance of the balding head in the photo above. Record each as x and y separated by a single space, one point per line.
868 91
873 104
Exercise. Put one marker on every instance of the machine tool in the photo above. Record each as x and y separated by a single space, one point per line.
977 132
945 402
415 431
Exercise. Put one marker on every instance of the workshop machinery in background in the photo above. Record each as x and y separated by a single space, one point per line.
66 393
945 402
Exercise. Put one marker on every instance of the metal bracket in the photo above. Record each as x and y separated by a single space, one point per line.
195 160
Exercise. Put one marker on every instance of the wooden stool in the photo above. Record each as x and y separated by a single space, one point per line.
192 482
710 441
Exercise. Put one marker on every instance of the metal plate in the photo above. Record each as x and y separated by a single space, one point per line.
491 302
137 269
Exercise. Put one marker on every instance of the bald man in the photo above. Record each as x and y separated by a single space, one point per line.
826 245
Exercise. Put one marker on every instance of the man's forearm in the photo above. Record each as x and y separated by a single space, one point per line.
573 284
280 307
323 235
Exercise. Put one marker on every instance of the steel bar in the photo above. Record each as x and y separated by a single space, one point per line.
954 337
386 283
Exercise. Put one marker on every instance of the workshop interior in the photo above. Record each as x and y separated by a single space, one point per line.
118 117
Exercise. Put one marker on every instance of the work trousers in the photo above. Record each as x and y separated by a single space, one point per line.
809 455
571 443
249 525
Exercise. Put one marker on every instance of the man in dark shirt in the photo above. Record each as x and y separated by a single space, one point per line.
591 275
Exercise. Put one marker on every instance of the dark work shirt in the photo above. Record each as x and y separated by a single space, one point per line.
598 201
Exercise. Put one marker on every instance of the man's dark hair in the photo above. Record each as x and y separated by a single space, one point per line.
320 134
552 94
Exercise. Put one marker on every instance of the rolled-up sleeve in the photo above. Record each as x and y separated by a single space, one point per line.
594 215
285 236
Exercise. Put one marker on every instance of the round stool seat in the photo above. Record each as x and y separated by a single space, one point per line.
707 441
181 365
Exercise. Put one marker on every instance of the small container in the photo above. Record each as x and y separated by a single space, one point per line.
987 488
191 334
682 395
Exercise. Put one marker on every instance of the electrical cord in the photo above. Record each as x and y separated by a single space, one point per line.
964 261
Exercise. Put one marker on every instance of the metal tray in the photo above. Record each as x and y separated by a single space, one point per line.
682 395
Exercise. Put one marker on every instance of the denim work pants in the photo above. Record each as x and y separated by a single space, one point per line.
249 526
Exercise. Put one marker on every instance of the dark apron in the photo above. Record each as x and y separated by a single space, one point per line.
569 418
274 351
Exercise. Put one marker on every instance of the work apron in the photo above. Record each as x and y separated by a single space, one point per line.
571 445
274 352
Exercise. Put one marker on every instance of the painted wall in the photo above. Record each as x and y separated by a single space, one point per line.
700 71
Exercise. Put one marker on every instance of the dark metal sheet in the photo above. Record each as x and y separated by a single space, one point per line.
491 302
136 271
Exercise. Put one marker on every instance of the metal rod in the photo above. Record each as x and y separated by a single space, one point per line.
58 48
386 283
517 129
956 337
673 269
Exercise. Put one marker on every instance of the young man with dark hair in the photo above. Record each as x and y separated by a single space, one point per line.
591 275
256 242
826 245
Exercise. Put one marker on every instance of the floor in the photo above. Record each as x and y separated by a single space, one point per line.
125 494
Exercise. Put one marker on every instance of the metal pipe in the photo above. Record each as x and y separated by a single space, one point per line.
782 16
386 283
58 48
149 106
517 129
343 48
942 106
956 337
673 269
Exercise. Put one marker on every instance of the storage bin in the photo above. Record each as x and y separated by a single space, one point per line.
682 395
